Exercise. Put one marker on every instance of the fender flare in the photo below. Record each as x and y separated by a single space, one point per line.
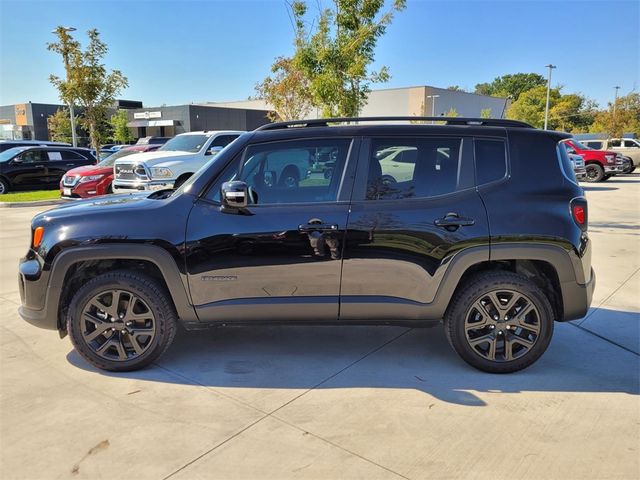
151 253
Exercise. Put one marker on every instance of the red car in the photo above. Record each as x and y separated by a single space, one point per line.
94 180
600 164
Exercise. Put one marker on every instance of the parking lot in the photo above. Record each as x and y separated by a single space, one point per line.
334 402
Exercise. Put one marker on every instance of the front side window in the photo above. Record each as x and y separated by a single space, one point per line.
301 171
185 143
614 143
596 145
413 168
33 156
631 144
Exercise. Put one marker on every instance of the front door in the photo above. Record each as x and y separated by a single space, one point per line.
282 258
414 206
29 169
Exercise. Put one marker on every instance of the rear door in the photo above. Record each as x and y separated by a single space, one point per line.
61 161
414 207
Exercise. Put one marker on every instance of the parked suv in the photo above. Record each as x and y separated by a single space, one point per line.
475 236
172 164
39 167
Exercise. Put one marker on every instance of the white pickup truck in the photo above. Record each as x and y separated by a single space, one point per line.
171 164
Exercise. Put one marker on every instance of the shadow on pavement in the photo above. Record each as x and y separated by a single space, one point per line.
596 189
380 357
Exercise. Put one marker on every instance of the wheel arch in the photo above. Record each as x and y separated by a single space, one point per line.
74 266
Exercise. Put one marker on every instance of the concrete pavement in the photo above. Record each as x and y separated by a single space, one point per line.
334 402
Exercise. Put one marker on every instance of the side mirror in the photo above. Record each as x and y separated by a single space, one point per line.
214 150
234 194
17 159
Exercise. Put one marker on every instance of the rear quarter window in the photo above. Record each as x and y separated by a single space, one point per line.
491 160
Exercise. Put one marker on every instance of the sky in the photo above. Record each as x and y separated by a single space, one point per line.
183 51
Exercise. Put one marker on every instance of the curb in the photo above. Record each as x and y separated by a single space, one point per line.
37 203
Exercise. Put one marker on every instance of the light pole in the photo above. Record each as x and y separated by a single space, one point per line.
433 104
65 59
546 108
615 101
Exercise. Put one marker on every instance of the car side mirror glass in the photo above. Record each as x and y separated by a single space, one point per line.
234 194
214 150
17 160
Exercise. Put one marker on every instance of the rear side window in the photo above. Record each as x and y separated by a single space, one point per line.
414 168
223 140
491 160
70 155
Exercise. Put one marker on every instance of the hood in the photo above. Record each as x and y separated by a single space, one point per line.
156 155
89 170
104 203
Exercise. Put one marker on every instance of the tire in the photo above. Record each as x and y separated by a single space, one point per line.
4 186
606 177
595 173
150 321
476 341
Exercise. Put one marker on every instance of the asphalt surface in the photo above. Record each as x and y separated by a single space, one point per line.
334 402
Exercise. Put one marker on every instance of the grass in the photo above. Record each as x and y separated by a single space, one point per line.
30 196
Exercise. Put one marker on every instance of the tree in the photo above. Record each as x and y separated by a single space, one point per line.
627 117
336 51
456 88
485 113
121 132
452 112
511 85
286 90
88 82
59 125
570 113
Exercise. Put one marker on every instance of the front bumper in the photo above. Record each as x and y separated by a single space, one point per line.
33 284
612 169
131 186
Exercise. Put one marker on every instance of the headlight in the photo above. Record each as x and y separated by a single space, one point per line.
610 158
90 178
161 172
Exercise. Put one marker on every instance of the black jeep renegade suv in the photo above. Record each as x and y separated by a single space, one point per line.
345 221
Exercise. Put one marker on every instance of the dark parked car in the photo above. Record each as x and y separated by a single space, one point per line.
474 235
39 167
7 144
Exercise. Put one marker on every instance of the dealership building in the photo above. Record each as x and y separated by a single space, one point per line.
30 120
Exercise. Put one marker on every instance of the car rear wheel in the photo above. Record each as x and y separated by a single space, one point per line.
4 186
595 173
499 322
121 321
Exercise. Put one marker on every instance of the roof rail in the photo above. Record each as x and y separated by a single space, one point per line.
324 122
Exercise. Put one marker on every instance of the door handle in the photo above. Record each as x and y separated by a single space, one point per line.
453 221
70 164
39 166
318 227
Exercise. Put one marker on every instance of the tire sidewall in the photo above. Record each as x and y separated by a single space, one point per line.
121 281
4 186
455 322
598 169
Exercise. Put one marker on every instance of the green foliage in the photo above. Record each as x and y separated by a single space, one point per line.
455 88
121 133
485 113
570 112
452 112
87 82
335 52
286 90
512 85
626 119
59 125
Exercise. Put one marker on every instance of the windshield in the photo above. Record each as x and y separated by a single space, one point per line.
9 154
580 146
185 143
107 162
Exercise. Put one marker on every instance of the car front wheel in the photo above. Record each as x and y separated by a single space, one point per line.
121 321
595 173
499 322
4 186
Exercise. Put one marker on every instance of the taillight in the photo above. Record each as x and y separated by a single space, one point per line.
579 212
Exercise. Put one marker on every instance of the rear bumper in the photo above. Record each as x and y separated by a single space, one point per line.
577 298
